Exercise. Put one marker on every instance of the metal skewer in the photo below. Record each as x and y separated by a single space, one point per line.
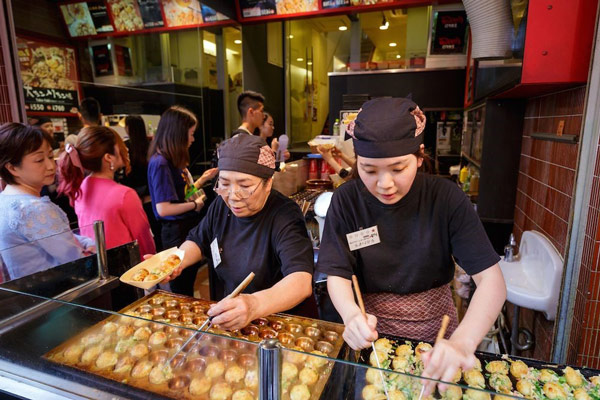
440 336
233 294
361 304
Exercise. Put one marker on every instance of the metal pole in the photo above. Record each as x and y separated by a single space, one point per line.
101 249
269 369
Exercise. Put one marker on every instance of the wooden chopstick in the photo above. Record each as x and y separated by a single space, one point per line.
361 304
442 331
241 286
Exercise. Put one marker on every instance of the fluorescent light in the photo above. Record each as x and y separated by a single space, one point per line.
290 36
299 59
343 28
237 41
393 44
209 48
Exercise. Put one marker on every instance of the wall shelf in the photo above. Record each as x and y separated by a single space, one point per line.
572 139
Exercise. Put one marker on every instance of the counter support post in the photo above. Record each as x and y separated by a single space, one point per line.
269 369
101 249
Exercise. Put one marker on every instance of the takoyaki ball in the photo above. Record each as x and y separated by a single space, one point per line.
316 362
518 369
91 339
581 394
380 356
452 393
91 353
401 364
214 369
289 371
573 377
220 391
140 275
396 395
372 392
474 378
251 379
157 338
554 391
308 376
139 350
422 348
151 277
142 333
72 353
109 328
477 364
457 376
160 374
242 395
125 331
526 388
500 382
235 373
199 386
400 381
373 376
547 375
296 357
499 367
384 345
502 397
107 359
142 322
404 350
299 392
141 369
472 394
124 365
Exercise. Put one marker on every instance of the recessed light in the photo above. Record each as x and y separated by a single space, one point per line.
299 59
237 41
393 44
290 36
343 28
398 56
309 63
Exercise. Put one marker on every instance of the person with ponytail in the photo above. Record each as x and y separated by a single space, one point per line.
100 151
169 183
34 232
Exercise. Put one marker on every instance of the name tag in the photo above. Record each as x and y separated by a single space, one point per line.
363 238
216 254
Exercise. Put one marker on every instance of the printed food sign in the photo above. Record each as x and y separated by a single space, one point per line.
182 12
449 33
261 8
49 75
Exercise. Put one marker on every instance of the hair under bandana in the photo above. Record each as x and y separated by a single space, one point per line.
248 154
387 127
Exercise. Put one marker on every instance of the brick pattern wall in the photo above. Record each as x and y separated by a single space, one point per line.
545 188
5 114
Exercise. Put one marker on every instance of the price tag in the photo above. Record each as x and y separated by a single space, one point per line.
216 254
363 238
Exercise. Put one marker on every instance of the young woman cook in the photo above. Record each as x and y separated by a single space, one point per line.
400 231
251 228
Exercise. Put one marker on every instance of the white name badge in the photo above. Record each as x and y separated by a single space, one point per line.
363 238
216 254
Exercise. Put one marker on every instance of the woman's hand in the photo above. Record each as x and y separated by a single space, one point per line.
325 153
359 331
236 313
442 362
206 176
199 202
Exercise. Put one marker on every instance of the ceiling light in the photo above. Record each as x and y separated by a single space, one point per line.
384 23
343 28
290 36
237 41
309 63
393 44
299 59
398 56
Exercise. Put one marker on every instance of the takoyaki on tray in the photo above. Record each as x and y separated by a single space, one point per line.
134 351
502 374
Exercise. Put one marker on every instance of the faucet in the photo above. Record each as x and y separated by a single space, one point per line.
509 249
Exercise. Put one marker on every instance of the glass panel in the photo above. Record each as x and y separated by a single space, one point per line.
235 84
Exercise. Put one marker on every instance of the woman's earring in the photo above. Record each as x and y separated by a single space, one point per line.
112 166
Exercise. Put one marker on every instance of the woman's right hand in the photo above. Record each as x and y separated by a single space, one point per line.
199 202
359 332
325 153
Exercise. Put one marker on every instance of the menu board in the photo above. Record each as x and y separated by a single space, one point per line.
126 15
182 12
449 35
151 13
102 60
49 75
100 17
327 4
123 56
78 19
261 8
210 15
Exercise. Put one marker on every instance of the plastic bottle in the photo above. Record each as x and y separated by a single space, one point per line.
336 127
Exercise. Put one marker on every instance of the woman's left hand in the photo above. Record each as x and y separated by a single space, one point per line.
236 313
442 362
206 176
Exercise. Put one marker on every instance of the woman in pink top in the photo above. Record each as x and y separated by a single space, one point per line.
100 151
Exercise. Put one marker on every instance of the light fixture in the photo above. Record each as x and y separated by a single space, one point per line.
309 63
398 56
290 36
343 28
299 59
393 44
237 41
384 23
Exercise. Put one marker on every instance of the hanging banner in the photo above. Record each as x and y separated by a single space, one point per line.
49 75
151 13
78 19
182 12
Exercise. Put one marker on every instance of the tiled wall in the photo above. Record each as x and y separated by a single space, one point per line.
5 114
545 188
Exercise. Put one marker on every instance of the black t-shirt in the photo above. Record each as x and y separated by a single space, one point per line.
419 235
272 243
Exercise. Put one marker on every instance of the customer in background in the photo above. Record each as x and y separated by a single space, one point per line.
100 151
34 232
89 114
251 106
266 130
168 184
